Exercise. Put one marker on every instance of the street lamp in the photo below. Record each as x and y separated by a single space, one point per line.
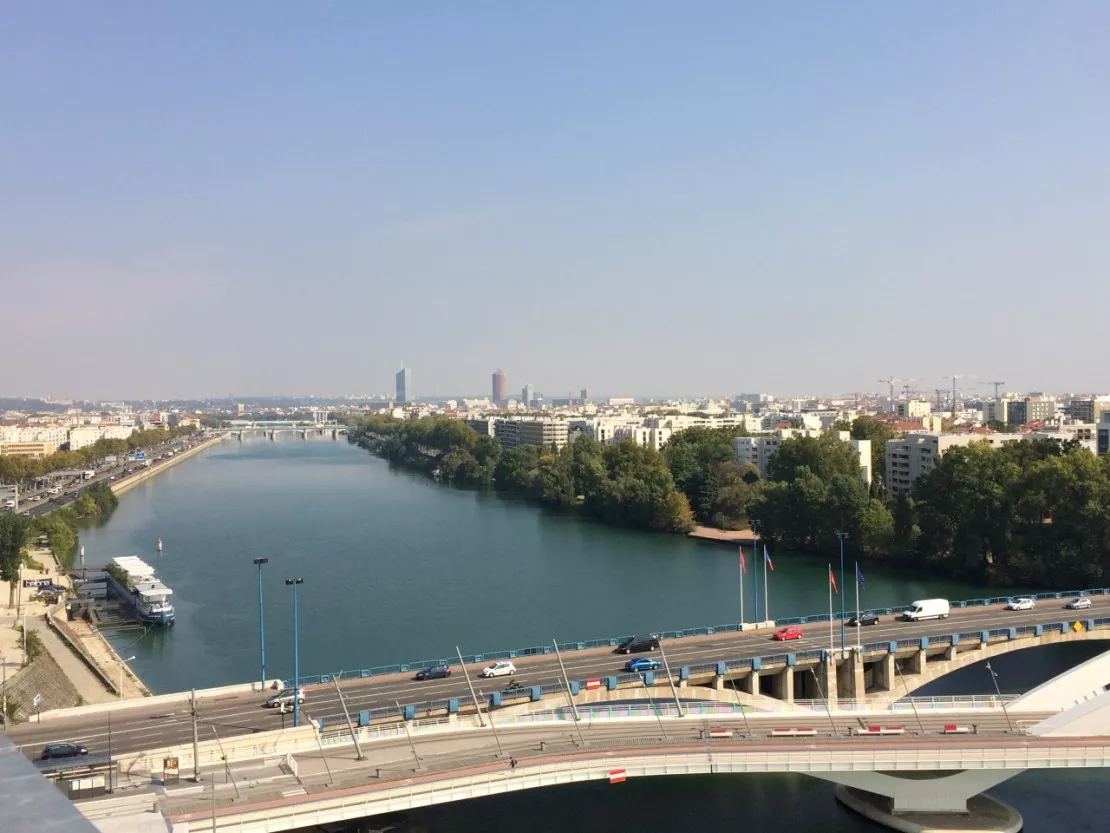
841 536
261 625
994 679
296 656
122 663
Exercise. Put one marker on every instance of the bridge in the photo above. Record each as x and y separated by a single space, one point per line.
271 428
719 674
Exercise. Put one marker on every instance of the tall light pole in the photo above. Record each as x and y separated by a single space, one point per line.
261 624
994 679
841 536
296 656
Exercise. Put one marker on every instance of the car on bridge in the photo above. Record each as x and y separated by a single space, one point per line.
436 672
503 668
284 698
63 750
863 620
1023 603
642 664
1079 603
639 644
789 632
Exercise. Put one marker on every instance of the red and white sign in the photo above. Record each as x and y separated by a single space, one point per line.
616 776
720 732
592 684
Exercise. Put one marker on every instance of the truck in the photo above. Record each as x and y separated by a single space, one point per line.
88 474
927 609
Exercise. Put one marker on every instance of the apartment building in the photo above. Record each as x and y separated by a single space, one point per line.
56 435
912 408
1031 409
542 432
758 451
27 449
85 435
916 454
1091 409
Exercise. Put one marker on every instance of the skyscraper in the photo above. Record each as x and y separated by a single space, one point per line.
404 386
500 387
527 394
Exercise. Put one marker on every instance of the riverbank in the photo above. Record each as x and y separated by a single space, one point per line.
722 536
129 482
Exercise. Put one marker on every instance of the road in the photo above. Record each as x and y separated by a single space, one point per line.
39 502
236 714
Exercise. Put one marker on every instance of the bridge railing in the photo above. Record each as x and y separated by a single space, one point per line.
612 642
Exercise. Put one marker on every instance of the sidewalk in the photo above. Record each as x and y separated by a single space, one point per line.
90 688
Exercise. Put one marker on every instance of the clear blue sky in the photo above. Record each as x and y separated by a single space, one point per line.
637 197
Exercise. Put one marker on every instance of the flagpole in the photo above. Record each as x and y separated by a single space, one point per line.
755 572
859 647
766 595
832 637
742 588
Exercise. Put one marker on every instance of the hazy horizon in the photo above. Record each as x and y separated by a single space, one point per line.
626 197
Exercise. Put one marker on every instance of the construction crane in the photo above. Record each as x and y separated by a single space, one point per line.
997 385
940 402
907 388
954 377
890 382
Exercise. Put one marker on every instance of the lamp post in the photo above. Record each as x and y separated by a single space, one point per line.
122 663
994 679
296 656
841 536
261 624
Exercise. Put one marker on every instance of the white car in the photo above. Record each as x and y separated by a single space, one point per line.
1023 603
504 668
1079 603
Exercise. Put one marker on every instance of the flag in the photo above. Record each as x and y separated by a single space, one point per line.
767 558
859 579
832 581
743 564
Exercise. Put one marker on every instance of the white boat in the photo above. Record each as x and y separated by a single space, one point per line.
134 583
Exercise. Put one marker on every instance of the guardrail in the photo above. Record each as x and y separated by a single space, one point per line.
612 642
501 697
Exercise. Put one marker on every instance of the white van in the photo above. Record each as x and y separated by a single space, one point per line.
927 609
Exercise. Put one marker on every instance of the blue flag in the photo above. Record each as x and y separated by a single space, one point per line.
859 578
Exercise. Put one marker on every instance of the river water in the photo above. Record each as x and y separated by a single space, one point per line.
398 568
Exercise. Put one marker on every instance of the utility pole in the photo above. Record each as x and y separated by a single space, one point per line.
347 714
405 723
296 656
1005 711
470 685
840 591
670 679
261 624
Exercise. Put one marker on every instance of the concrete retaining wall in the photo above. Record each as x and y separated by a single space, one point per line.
130 482
162 699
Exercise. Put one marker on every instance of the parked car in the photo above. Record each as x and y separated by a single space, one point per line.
436 672
63 750
789 632
503 668
639 644
863 620
1079 603
1023 603
642 664
285 698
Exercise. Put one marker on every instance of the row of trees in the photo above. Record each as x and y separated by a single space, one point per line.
622 484
15 469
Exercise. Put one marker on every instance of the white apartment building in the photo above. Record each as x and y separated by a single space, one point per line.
85 435
1102 445
912 408
759 450
55 435
916 453
542 432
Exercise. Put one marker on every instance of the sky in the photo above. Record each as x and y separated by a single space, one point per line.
636 197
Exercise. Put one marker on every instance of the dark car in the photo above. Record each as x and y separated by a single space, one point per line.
436 672
639 644
863 620
63 750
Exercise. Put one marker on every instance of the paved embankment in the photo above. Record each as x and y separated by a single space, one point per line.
722 536
131 481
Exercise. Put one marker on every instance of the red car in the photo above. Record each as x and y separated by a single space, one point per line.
789 632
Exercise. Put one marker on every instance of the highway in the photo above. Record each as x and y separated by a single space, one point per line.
40 501
236 714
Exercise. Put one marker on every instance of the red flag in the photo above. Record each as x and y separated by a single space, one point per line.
743 564
832 581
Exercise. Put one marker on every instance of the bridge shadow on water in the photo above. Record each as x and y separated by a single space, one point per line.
1050 801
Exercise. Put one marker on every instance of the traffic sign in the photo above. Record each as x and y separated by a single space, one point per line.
36 700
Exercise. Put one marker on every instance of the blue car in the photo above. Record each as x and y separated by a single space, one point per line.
642 664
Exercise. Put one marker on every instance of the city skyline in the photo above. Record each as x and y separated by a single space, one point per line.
674 202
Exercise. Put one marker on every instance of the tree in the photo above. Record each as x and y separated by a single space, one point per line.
822 456
13 536
694 457
878 432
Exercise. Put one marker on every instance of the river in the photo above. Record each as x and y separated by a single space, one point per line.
398 568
